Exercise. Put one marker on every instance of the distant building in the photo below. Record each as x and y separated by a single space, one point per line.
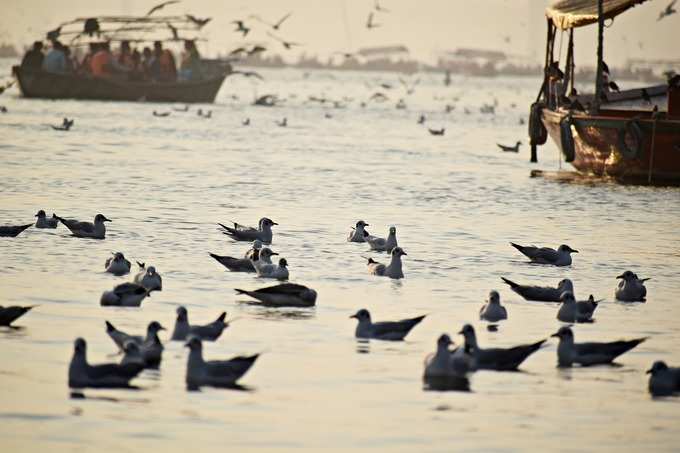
8 51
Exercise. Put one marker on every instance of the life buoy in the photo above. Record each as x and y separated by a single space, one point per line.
634 131
567 139
537 131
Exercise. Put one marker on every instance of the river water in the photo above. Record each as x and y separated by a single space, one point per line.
456 201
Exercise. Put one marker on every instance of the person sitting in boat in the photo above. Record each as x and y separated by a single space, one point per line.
190 68
85 66
104 64
147 59
33 59
125 55
70 66
163 67
55 60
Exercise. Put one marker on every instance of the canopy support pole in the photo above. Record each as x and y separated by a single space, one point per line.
598 76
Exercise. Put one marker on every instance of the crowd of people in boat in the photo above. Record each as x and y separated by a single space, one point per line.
157 64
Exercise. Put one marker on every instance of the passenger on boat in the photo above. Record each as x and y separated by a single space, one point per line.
34 57
70 66
125 55
163 67
147 59
85 66
104 64
55 60
190 68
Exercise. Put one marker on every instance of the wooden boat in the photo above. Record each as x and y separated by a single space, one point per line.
630 136
40 84
81 32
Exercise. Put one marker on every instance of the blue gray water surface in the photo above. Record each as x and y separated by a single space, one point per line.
456 201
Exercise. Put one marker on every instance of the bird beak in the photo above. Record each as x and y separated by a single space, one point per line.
274 223
556 335
366 224
274 253
404 253
619 276
35 215
574 251
353 316
645 279
162 328
107 220
460 333
649 371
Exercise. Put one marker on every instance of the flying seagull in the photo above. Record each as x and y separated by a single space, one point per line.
369 22
200 23
161 6
241 27
286 44
669 10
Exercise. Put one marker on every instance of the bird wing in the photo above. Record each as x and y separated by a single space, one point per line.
282 20
127 371
506 358
592 353
390 327
284 288
13 231
128 288
10 314
232 369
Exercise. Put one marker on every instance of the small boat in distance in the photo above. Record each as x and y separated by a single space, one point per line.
202 87
628 136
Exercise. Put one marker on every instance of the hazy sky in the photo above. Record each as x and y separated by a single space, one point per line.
426 26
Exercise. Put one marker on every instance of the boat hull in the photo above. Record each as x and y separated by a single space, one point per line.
45 85
598 149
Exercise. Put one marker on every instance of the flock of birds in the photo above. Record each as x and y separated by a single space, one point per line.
444 369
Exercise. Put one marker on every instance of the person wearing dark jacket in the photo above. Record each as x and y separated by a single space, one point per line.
34 57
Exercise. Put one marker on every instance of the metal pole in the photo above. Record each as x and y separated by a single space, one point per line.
598 76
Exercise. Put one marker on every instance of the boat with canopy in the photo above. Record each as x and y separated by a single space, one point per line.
626 136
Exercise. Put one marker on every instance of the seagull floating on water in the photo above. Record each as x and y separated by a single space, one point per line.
447 371
244 264
437 131
283 295
215 373
358 233
245 233
66 125
546 255
150 346
392 270
663 380
492 310
667 11
125 295
510 149
631 288
382 244
117 264
206 332
44 222
571 311
265 270
148 278
498 359
386 330
541 293
13 231
10 314
94 230
585 354
110 375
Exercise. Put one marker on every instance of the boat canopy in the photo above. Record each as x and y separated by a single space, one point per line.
566 14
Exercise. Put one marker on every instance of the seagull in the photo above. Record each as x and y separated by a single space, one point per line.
283 295
200 23
380 8
66 125
13 231
117 264
94 230
245 233
499 359
667 11
207 332
161 6
125 295
631 288
150 346
181 109
148 278
175 37
369 22
614 87
392 270
381 244
255 50
437 131
246 122
282 123
207 114
10 314
390 330
546 255
492 310
572 312
358 234
421 119
510 149
586 354
132 354
243 264
264 270
161 114
663 380
240 27
44 222
216 373
541 293
445 365
82 374
286 44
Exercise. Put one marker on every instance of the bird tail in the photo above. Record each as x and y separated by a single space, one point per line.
521 248
109 327
216 257
140 264
510 282
222 316
61 219
240 291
